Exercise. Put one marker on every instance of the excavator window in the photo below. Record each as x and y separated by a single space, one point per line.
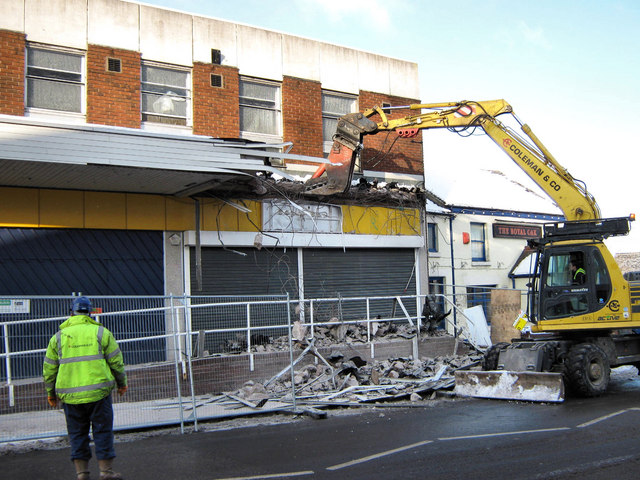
602 279
574 282
565 285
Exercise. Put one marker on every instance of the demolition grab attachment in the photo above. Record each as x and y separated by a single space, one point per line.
347 143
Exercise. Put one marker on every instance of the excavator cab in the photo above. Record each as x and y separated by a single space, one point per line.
573 281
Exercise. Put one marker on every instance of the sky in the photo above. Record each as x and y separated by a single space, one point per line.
569 68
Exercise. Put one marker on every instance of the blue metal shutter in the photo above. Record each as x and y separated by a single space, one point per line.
95 262
59 262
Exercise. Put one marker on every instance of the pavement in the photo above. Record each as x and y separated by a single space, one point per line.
128 416
185 453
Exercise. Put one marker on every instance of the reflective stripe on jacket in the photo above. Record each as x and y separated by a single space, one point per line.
83 362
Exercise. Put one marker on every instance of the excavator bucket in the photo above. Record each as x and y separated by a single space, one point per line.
337 174
507 385
346 144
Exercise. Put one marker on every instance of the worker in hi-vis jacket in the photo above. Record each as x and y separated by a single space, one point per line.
83 364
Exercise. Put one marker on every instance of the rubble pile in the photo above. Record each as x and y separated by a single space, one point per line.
362 192
328 335
339 380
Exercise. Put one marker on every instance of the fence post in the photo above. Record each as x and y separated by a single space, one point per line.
176 340
189 354
12 399
368 302
293 376
251 364
311 318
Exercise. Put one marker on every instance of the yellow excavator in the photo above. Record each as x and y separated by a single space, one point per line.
582 313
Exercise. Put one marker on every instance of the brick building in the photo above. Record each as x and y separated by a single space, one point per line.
126 132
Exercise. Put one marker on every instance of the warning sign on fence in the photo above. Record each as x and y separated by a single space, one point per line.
14 305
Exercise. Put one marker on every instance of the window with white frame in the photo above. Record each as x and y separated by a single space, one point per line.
260 107
478 242
55 79
284 216
334 106
166 95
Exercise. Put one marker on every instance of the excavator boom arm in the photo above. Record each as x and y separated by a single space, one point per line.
533 158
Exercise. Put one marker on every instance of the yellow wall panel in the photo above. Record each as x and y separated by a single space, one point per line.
24 207
227 220
19 207
180 214
145 212
351 217
210 213
61 208
255 215
220 216
105 210
380 221
407 222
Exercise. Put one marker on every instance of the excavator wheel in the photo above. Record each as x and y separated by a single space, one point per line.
587 370
490 359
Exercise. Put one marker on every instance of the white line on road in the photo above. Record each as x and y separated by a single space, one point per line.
378 455
273 475
499 434
587 467
605 417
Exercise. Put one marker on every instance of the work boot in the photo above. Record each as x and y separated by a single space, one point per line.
106 472
82 469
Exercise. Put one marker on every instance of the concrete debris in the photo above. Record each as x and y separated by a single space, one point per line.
328 335
361 192
353 381
298 331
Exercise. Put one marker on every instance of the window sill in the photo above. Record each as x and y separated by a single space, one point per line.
55 116
261 137
165 128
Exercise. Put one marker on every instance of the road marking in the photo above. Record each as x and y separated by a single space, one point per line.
499 434
273 475
583 468
378 455
605 417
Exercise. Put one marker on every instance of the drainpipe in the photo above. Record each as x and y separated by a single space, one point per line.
453 279
198 247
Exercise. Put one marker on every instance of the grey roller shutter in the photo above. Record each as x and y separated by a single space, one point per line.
364 272
257 272
230 276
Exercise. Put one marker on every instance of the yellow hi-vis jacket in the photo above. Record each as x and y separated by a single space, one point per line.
83 362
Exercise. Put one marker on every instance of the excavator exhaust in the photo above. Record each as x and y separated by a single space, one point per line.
510 385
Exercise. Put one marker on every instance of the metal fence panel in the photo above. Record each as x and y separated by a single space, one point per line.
188 358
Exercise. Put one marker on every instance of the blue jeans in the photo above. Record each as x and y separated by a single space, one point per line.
95 415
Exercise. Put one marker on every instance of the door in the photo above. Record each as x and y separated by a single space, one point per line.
575 281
